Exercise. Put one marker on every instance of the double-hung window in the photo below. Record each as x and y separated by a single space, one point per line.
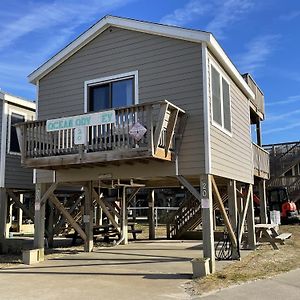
221 112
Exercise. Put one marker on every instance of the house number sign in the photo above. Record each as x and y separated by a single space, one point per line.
205 202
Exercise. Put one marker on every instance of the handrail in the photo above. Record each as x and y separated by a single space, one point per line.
161 121
261 161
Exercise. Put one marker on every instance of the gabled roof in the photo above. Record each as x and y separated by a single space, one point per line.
5 96
146 27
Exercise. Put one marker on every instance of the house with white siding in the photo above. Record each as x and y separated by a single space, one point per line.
15 181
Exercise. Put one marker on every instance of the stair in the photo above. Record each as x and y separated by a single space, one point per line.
283 157
187 217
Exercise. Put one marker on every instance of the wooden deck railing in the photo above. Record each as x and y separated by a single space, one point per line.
261 162
104 143
259 101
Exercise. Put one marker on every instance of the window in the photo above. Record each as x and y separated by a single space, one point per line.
113 94
221 113
13 139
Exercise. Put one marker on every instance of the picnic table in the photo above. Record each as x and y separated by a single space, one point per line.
133 230
268 232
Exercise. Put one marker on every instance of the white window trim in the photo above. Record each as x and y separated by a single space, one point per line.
213 122
20 112
102 80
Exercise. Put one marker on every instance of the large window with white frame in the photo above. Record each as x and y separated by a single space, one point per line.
220 97
111 92
13 143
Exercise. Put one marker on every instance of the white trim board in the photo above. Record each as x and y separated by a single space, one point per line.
3 143
17 100
146 27
206 110
18 111
112 78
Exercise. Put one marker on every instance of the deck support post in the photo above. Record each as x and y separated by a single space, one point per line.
50 221
207 220
233 212
232 203
151 214
124 217
3 218
250 221
20 213
39 216
263 201
88 217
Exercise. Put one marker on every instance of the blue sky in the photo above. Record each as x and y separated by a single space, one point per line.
261 37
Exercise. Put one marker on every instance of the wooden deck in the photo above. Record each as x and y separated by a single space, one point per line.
162 121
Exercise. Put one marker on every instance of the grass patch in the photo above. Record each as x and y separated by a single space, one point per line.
262 263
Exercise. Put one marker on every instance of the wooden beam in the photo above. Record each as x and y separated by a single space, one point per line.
207 220
170 129
62 220
223 211
232 203
88 217
50 190
124 214
189 187
160 124
263 201
3 216
250 222
105 210
107 204
131 197
67 215
151 214
19 204
39 216
242 223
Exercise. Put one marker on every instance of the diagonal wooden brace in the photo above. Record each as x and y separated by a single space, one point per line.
223 212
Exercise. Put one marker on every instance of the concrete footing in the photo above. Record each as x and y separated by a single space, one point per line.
200 267
33 256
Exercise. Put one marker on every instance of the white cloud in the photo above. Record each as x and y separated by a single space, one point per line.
283 116
229 12
186 14
290 16
70 13
288 100
282 128
222 13
257 52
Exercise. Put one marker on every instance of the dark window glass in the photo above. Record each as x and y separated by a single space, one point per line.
216 95
14 144
99 97
122 93
111 95
226 105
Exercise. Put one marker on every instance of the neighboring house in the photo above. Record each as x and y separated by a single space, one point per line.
285 167
198 138
15 181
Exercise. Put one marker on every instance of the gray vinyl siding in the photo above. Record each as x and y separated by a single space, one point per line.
168 69
1 112
231 156
16 176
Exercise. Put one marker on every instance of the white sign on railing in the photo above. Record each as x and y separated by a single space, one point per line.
100 118
80 135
